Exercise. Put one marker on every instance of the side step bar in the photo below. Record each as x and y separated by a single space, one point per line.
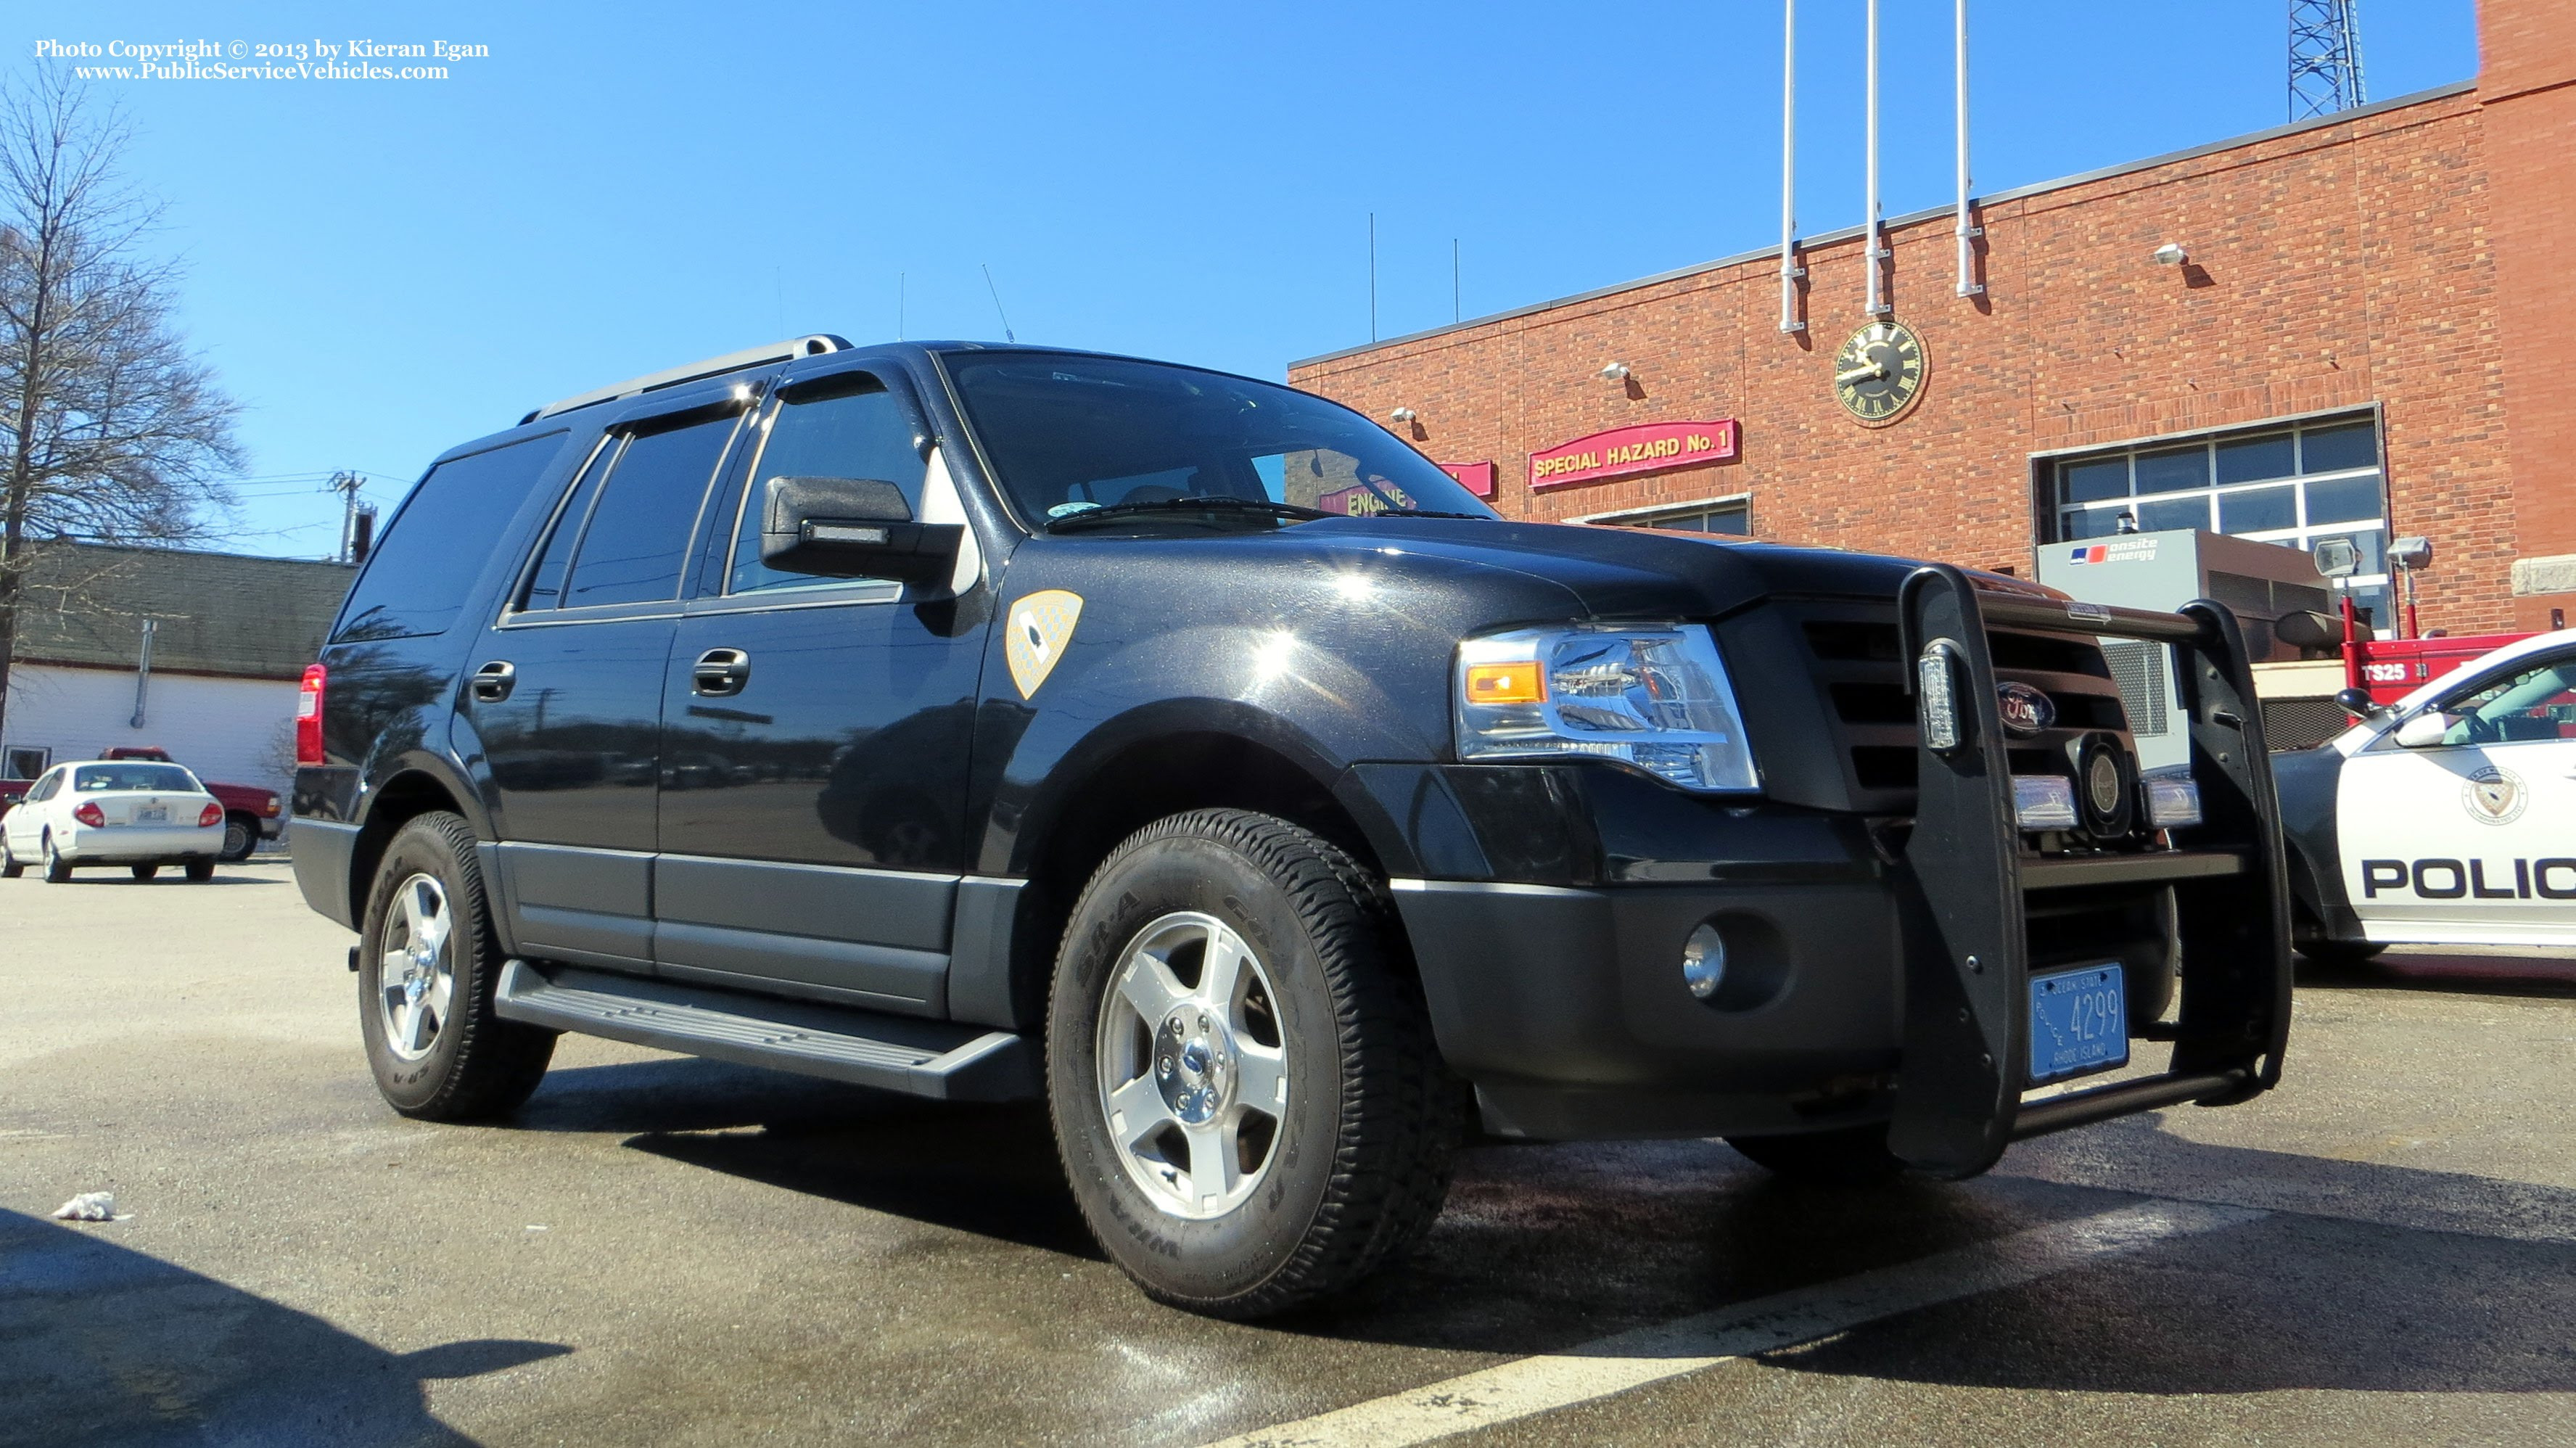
937 1059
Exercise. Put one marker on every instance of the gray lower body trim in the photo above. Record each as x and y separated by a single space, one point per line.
921 1058
572 903
321 851
979 962
882 975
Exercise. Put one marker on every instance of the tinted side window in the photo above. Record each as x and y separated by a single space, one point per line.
545 586
639 529
435 546
860 432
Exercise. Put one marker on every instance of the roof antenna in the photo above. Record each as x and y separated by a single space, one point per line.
901 279
997 302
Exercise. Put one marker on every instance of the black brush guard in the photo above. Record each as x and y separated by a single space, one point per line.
1967 1028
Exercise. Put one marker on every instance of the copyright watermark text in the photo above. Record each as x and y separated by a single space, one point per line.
359 58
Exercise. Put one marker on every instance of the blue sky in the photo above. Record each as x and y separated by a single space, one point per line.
381 270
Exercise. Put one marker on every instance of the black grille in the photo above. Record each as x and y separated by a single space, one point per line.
1855 654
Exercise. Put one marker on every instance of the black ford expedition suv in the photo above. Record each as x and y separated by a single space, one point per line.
990 723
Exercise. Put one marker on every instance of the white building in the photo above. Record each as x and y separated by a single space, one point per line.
228 639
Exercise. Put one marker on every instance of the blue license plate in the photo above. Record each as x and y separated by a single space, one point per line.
2079 1022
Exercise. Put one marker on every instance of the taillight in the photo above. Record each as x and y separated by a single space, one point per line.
308 716
90 814
211 815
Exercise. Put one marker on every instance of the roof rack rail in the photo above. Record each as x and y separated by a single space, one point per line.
810 346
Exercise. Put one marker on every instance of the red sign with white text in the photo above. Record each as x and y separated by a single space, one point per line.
1646 448
1477 478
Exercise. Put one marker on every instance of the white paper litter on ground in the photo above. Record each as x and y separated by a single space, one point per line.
88 1207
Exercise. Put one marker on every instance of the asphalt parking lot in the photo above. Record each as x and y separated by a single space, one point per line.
674 1251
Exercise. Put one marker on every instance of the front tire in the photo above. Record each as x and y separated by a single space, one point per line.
11 867
1244 1088
427 965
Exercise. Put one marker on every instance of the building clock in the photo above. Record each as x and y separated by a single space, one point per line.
1878 374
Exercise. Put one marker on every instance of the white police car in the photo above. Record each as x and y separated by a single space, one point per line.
2448 818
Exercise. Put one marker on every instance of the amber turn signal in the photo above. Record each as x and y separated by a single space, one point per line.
1512 683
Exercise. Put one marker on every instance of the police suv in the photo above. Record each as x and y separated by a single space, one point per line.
2444 818
992 723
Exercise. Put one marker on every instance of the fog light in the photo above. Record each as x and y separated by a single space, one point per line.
1704 961
2172 801
2044 801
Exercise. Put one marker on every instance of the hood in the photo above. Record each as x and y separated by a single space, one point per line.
1646 573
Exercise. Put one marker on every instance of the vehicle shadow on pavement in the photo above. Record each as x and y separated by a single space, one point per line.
2366 1277
990 1170
102 1344
2461 974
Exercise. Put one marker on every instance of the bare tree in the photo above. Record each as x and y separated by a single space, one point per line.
112 428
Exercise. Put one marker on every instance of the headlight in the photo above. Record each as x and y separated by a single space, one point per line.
1654 698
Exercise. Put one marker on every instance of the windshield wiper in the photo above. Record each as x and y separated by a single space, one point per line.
1261 506
1428 513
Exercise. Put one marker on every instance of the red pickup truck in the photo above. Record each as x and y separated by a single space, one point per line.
251 813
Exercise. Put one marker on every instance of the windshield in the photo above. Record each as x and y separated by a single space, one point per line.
92 778
1069 434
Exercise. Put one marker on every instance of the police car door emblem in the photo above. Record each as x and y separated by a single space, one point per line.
2494 796
1039 627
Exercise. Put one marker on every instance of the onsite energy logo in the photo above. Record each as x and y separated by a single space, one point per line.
2126 550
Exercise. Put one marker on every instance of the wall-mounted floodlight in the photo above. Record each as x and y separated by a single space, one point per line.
1401 416
2172 253
1615 372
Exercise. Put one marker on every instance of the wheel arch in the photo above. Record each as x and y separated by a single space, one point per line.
1144 777
404 796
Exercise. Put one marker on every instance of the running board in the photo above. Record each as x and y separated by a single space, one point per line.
937 1059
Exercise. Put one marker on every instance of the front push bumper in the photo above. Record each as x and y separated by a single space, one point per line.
1879 970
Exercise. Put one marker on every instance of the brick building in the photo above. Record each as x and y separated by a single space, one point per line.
2365 341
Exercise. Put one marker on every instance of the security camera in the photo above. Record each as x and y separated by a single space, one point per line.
1615 372
2171 254
1401 416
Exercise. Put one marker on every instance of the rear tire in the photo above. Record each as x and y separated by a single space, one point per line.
427 965
200 871
57 869
144 872
1852 1156
1263 1142
241 836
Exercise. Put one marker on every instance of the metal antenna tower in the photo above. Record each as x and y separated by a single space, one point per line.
2325 57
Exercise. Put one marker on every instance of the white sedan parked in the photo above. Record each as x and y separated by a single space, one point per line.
113 812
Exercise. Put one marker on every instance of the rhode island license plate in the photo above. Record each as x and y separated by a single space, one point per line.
2079 1022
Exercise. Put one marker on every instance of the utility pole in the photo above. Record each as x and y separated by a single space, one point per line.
346 484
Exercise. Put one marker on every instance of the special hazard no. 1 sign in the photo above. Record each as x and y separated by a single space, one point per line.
1622 451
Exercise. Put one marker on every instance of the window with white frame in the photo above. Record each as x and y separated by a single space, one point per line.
2295 484
1730 516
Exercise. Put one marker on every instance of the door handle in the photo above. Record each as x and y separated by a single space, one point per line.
494 681
719 672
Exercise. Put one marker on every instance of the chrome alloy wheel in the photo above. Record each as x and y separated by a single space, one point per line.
1192 1065
416 974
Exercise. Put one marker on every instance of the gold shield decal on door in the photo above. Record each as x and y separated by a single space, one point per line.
1037 631
2494 796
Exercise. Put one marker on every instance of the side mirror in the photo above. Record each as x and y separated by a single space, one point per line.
851 528
2424 730
2356 702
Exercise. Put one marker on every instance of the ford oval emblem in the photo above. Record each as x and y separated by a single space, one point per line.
2025 710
